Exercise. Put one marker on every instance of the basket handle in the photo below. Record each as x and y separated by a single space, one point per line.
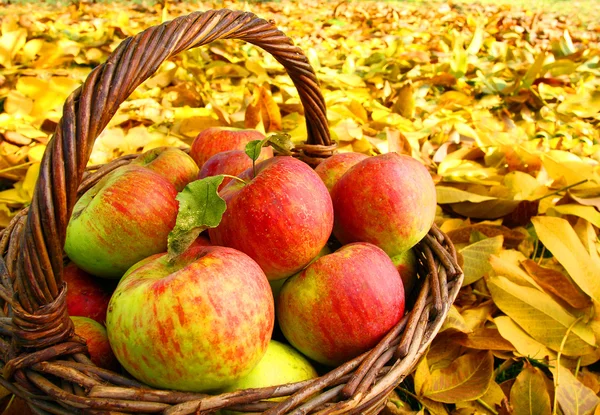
36 265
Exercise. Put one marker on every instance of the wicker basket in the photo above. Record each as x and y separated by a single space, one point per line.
44 363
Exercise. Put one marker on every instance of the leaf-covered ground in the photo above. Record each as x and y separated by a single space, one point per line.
501 104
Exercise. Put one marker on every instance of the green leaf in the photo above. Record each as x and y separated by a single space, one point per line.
200 208
281 143
253 149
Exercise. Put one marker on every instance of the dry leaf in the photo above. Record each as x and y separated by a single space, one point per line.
476 258
574 398
529 394
542 317
557 284
483 339
493 398
263 108
511 238
559 237
467 378
526 345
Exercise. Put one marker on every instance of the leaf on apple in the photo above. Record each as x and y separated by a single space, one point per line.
253 149
200 208
281 143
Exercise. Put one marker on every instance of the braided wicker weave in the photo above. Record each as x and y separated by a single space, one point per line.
43 362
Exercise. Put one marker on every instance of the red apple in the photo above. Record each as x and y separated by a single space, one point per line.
87 296
171 163
387 200
231 162
332 168
215 140
124 218
198 323
97 342
406 264
342 304
281 218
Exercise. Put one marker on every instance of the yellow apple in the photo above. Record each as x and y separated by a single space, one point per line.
281 364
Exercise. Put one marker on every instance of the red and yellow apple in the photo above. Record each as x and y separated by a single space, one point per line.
387 200
332 168
124 218
342 304
171 163
87 296
97 342
198 323
231 162
216 140
281 218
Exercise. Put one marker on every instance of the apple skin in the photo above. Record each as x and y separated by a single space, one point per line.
87 296
342 304
124 218
196 324
281 218
215 140
281 364
171 163
388 200
406 264
97 342
277 284
231 162
332 168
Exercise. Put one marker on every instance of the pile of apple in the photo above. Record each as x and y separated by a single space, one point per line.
189 259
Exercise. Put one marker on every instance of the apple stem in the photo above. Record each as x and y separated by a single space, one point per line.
235 178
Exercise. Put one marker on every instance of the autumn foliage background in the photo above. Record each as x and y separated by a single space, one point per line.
501 104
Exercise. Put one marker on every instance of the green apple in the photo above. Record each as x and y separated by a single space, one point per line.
281 364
